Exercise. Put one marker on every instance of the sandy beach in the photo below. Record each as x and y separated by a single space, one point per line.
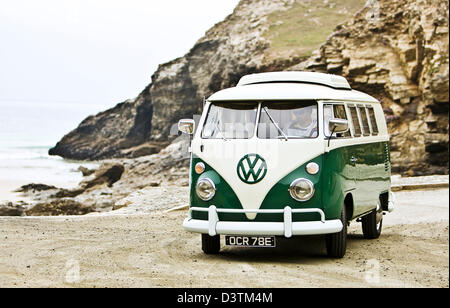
153 250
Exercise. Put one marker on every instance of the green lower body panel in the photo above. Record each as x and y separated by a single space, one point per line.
340 177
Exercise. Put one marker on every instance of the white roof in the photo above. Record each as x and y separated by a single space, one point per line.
289 91
334 81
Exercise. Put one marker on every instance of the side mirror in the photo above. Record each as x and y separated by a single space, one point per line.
186 126
338 125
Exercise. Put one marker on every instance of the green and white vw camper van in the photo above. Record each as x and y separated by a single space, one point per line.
288 154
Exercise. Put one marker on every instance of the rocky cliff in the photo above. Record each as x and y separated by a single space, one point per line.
107 133
394 50
239 45
398 52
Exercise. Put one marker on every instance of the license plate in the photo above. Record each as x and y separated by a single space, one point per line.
250 241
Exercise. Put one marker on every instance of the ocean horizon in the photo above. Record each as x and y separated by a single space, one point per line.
27 131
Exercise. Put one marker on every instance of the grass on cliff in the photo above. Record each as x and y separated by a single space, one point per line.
301 29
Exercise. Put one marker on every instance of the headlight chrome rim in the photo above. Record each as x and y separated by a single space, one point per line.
306 197
211 194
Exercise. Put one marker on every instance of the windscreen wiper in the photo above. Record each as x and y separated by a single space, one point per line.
221 132
276 125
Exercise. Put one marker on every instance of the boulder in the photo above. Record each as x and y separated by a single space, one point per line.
85 171
35 188
11 210
108 173
60 208
143 150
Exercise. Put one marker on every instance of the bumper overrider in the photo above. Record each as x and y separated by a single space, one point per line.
213 226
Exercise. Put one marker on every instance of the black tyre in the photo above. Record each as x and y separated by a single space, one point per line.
210 244
337 242
373 223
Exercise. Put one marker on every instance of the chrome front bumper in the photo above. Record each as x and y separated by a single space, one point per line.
391 204
288 228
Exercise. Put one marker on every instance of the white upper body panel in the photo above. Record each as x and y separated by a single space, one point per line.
289 91
334 81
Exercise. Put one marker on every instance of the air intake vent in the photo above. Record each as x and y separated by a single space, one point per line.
333 81
387 157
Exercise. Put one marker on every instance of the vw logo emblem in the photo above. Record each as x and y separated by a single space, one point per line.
252 169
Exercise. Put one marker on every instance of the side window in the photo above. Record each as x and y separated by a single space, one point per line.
373 121
365 121
334 111
339 112
327 116
355 120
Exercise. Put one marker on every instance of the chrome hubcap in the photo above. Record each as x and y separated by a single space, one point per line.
379 218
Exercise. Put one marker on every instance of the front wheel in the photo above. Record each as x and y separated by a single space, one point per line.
210 244
337 242
373 223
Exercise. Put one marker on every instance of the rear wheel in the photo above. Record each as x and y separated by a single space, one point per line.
373 223
337 242
210 244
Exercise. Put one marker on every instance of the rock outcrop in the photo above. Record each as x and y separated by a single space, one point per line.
113 186
11 209
35 187
62 207
107 133
398 52
108 174
394 50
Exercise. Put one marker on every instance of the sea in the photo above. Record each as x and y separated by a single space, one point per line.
27 131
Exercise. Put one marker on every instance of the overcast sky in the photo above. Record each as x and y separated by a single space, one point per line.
95 51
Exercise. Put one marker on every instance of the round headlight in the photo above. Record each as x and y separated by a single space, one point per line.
205 189
200 168
302 190
312 168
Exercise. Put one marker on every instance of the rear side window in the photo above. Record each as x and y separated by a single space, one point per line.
355 120
373 121
339 112
365 121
